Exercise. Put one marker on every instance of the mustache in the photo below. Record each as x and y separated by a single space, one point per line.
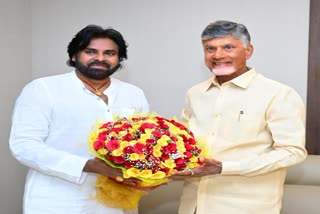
105 64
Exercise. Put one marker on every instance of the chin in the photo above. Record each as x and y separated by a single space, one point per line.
223 72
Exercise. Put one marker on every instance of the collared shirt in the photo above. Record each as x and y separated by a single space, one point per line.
256 127
52 119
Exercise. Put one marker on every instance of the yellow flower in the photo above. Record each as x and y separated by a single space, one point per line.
117 152
145 136
157 153
169 163
132 143
193 159
122 133
136 126
174 129
134 156
180 147
133 172
142 156
112 134
157 147
124 144
102 151
163 141
193 165
158 175
146 173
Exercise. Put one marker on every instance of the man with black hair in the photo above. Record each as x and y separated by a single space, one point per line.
54 115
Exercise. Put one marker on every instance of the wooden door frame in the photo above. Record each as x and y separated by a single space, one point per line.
313 90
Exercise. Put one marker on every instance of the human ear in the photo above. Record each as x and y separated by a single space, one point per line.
249 51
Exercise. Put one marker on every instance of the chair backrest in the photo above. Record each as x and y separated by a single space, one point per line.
302 187
305 173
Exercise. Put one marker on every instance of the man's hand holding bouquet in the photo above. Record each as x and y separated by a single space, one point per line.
146 149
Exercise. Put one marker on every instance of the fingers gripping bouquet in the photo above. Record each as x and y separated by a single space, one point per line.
147 147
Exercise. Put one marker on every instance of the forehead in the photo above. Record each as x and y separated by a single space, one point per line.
221 41
102 44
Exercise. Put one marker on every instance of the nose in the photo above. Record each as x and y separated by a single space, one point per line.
219 53
100 57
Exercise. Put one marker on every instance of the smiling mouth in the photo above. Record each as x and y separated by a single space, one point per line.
221 63
98 66
218 64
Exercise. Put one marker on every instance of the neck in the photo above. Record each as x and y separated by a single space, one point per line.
227 78
95 86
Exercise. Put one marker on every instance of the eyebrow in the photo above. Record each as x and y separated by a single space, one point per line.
108 50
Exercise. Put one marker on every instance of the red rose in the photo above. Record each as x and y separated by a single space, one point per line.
106 125
164 156
116 130
99 144
165 170
102 135
192 141
179 161
128 164
162 125
151 141
119 159
170 148
113 145
156 134
128 150
127 137
179 125
181 166
139 148
188 146
146 126
185 139
109 157
191 133
174 138
188 154
126 126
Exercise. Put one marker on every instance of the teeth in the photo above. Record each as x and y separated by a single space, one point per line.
219 63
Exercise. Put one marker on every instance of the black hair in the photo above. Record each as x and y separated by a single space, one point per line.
82 39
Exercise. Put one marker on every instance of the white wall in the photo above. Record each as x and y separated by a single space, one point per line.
15 58
165 54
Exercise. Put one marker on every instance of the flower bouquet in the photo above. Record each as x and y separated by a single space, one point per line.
146 147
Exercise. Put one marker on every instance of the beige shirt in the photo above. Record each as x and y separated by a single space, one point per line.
256 127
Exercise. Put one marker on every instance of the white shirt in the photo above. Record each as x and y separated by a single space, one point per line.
52 119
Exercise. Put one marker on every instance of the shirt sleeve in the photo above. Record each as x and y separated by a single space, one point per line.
285 119
30 127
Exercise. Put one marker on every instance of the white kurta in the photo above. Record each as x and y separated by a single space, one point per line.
50 125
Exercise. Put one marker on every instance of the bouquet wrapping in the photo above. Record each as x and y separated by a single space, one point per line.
146 147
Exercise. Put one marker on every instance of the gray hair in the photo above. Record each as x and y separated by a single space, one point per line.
222 28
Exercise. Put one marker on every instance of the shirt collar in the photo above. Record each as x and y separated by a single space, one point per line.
110 89
241 81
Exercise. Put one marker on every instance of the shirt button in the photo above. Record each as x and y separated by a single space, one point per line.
108 110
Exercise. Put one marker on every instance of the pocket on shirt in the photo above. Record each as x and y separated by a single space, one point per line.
241 126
